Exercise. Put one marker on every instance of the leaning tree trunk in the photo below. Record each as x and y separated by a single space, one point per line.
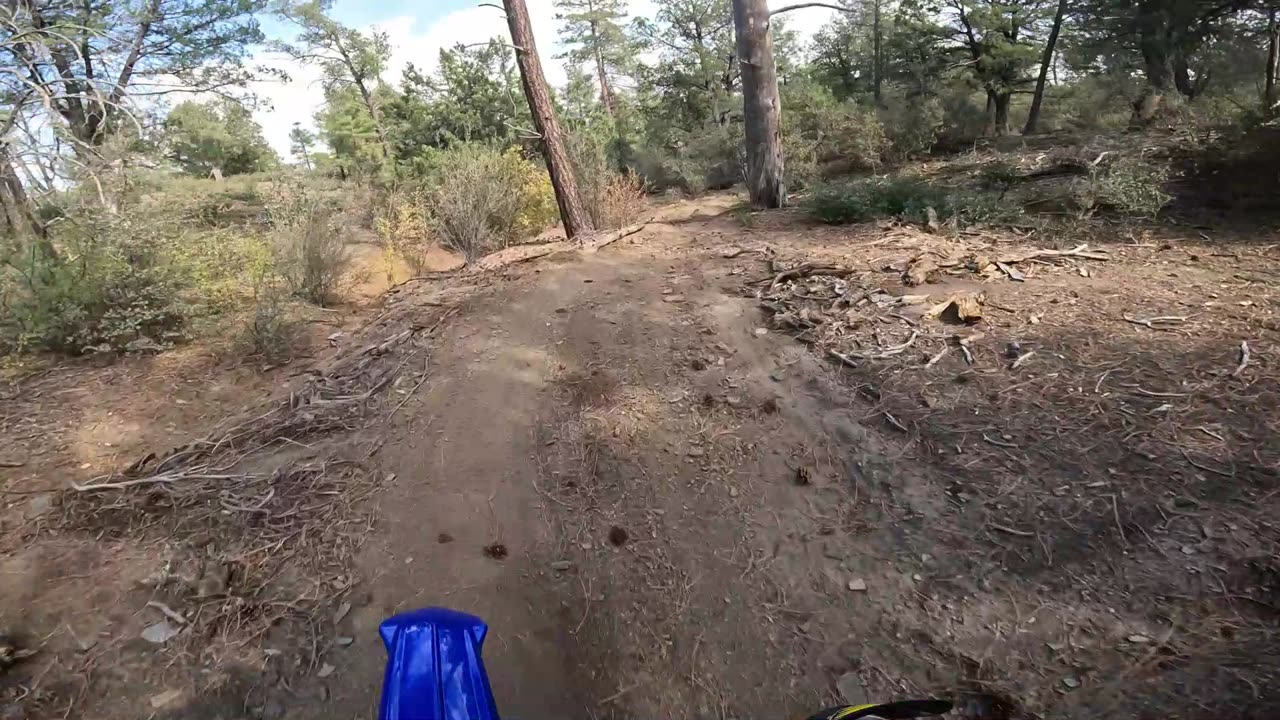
1046 61
761 106
572 213
19 212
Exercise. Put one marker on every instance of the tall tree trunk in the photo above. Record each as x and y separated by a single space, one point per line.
1000 115
1157 61
572 213
1159 82
1273 60
606 92
761 105
877 59
1046 62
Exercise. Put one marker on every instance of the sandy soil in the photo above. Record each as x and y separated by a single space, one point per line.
701 517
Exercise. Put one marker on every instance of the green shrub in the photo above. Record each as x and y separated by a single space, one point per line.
905 197
818 129
841 204
310 251
657 169
693 162
802 157
999 175
1128 186
482 199
964 118
110 287
912 126
268 333
711 160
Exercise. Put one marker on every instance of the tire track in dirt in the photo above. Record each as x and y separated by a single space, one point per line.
618 425
461 457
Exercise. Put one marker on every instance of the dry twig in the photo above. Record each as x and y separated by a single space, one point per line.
849 358
1161 322
1244 359
1081 251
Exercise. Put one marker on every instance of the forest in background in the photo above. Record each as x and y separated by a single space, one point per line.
131 213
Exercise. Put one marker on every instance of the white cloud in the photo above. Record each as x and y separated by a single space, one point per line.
287 102
300 98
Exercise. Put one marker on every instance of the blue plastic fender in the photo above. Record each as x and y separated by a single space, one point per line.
434 669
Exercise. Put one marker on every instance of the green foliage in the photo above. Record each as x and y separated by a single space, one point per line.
1002 37
964 118
268 332
351 62
710 160
1094 103
218 135
999 175
592 32
112 288
820 129
347 57
917 51
912 125
482 199
1129 186
199 202
905 197
73 66
842 55
692 84
474 96
351 133
309 249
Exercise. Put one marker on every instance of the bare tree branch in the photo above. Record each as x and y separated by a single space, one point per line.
801 6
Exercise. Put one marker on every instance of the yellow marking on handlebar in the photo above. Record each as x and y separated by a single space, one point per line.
846 712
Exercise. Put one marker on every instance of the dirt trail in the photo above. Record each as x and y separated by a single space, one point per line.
664 506
619 416
464 478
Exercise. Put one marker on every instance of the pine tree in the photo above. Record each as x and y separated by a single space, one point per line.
697 72
300 142
592 30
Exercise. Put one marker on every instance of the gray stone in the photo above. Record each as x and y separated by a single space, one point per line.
159 633
851 689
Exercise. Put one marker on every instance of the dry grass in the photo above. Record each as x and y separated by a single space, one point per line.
628 412
272 507
622 201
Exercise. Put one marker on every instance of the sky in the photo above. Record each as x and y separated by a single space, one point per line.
418 30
